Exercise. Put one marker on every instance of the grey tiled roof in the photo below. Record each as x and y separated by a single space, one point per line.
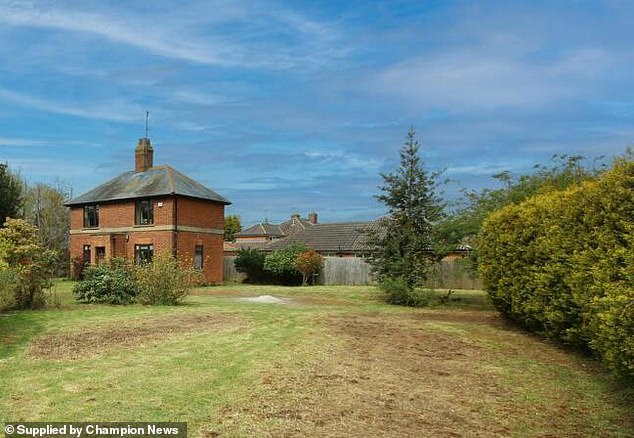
261 230
156 181
348 237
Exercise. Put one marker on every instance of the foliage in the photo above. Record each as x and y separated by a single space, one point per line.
164 281
405 238
463 225
10 194
9 281
44 208
309 263
28 261
107 283
397 291
562 264
232 226
251 262
283 264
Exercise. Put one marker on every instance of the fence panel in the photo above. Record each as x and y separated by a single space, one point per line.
448 274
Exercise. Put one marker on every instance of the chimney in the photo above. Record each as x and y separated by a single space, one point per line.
143 155
294 218
312 218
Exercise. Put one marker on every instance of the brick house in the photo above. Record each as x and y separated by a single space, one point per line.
146 211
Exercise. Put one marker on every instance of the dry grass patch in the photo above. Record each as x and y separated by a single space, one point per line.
93 341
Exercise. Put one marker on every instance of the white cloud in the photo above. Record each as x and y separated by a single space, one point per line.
488 78
21 142
194 33
115 110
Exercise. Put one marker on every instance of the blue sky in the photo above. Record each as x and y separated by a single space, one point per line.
298 106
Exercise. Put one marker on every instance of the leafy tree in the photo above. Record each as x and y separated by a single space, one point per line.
309 263
44 208
462 226
232 226
404 242
283 263
10 194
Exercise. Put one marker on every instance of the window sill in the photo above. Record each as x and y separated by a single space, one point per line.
90 228
142 225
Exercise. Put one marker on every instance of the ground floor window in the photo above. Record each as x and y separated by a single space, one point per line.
86 255
198 257
100 254
143 253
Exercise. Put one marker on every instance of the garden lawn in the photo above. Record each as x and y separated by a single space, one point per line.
333 361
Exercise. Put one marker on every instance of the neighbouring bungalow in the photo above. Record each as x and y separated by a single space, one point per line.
149 210
346 239
260 235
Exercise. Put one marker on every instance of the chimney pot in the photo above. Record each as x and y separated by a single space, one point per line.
312 218
143 155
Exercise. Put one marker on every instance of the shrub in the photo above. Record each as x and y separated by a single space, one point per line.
107 283
309 263
163 281
30 264
251 263
283 264
397 291
562 265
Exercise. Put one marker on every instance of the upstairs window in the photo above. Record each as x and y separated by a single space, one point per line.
91 216
144 212
143 254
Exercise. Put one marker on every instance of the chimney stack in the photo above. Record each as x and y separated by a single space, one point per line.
312 218
143 155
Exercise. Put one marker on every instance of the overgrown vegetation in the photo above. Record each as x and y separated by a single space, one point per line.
107 283
164 281
250 262
25 267
561 264
161 282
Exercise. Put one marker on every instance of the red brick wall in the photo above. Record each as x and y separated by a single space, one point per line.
212 253
198 213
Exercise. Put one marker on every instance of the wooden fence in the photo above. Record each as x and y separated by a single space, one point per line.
449 274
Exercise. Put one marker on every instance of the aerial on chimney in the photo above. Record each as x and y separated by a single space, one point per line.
143 155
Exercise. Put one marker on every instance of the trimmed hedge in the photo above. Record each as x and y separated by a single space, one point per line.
562 265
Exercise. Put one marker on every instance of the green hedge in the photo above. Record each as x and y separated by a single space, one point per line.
562 265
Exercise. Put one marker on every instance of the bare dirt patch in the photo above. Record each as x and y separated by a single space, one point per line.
387 378
109 337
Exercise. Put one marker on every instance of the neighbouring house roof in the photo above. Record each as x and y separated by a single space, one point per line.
348 237
291 226
295 225
156 181
259 230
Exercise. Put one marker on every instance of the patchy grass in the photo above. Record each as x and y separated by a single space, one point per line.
336 361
